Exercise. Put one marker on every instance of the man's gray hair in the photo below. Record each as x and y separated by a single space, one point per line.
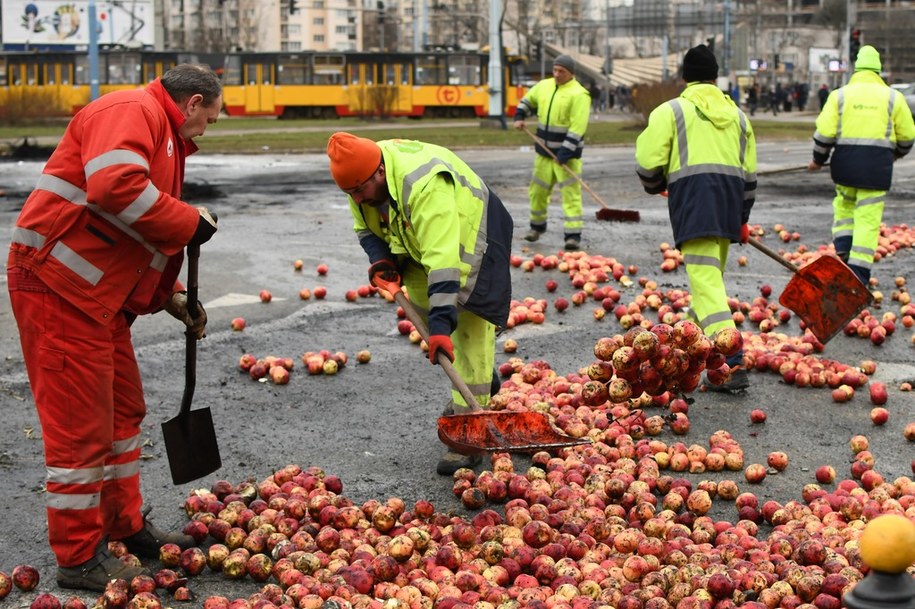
188 79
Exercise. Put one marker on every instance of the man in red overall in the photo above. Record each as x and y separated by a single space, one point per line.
98 242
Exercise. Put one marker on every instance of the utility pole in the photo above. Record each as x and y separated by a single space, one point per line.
93 53
496 97
726 43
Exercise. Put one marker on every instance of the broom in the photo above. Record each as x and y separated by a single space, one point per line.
605 213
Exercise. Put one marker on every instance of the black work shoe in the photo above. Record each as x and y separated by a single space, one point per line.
573 244
146 542
451 462
736 385
533 235
95 573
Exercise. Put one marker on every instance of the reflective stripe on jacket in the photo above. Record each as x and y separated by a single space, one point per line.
700 147
442 216
562 111
104 227
866 125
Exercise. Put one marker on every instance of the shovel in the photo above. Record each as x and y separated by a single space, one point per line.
190 438
483 431
826 294
605 212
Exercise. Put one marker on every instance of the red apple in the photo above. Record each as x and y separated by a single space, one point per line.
878 393
510 345
551 285
351 295
561 304
322 269
6 584
364 356
777 460
298 264
266 296
757 416
320 292
304 294
279 375
879 415
25 577
826 474
238 324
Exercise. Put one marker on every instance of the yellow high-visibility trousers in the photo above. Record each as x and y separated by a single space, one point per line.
548 173
474 340
857 213
705 259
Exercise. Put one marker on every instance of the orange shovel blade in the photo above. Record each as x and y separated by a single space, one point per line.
501 431
826 294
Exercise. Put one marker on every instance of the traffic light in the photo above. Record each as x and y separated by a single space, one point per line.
710 42
292 7
380 6
854 44
538 51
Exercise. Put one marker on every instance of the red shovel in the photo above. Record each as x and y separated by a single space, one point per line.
825 293
483 431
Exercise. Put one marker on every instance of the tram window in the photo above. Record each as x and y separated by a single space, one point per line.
32 75
328 69
15 72
50 74
124 70
292 70
464 70
232 74
361 73
82 70
430 70
3 68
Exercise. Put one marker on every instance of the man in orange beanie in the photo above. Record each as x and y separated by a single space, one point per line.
422 214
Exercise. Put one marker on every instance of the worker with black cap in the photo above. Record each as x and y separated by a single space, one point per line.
562 107
869 125
700 149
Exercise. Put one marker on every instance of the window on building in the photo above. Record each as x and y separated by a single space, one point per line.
342 29
295 29
318 21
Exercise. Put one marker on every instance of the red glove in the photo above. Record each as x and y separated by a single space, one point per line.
386 269
744 233
440 342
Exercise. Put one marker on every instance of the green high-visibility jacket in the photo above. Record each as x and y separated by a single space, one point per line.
442 216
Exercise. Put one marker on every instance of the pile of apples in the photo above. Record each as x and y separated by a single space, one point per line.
278 369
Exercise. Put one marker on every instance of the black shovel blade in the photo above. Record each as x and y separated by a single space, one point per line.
190 443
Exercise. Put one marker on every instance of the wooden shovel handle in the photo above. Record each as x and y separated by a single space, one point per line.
577 177
772 254
414 317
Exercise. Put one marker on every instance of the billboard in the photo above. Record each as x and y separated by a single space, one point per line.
48 22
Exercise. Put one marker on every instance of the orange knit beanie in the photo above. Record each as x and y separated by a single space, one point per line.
353 159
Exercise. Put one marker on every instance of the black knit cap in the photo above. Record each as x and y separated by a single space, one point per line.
700 64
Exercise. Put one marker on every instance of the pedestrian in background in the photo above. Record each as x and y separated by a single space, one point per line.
421 214
752 98
561 105
823 95
98 242
865 126
700 148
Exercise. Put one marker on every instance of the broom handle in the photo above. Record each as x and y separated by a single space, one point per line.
773 255
190 353
584 185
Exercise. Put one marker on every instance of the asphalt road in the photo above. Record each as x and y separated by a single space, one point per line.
373 425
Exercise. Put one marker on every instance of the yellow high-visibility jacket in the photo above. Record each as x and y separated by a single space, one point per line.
865 125
562 113
700 147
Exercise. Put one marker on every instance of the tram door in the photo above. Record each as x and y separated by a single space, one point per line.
259 87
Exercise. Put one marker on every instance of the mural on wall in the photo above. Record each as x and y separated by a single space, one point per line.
41 22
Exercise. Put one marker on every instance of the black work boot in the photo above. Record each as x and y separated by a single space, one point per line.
534 234
95 573
146 542
452 461
737 384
